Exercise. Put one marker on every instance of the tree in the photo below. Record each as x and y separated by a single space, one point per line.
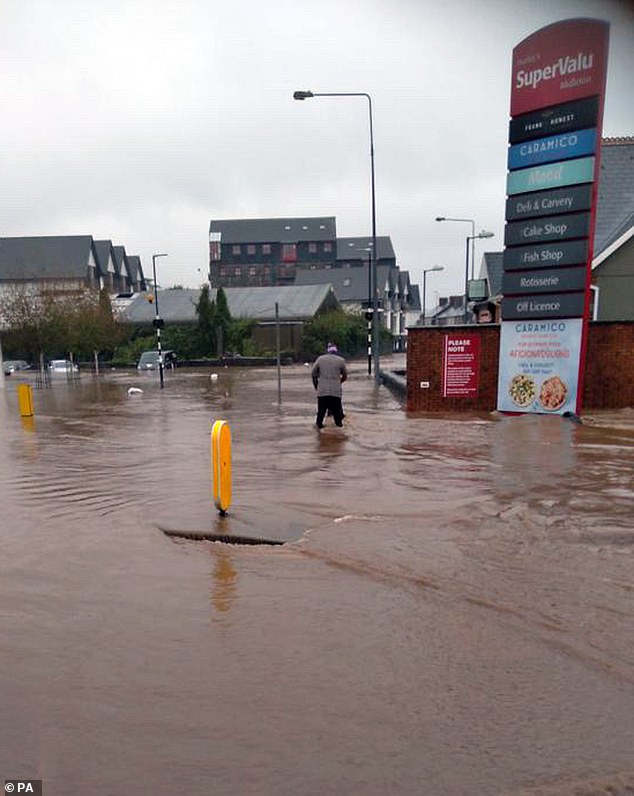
45 322
223 322
347 330
206 312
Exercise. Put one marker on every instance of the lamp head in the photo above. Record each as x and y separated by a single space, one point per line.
440 218
438 268
485 234
302 95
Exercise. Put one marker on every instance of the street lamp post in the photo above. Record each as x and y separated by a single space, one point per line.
483 234
158 321
425 272
302 95
466 221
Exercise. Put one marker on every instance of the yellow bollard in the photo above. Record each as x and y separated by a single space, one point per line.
25 400
221 464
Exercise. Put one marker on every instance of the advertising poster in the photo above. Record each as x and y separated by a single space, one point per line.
539 362
461 365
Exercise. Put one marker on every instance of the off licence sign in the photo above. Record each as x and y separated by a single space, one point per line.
461 366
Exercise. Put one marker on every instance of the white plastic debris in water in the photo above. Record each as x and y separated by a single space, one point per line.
214 377
135 391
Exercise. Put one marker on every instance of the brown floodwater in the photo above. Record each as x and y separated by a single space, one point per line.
452 611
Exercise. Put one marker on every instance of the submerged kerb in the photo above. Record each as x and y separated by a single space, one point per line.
226 538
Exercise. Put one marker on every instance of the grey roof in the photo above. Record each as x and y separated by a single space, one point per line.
414 296
47 257
615 206
257 303
492 270
103 250
616 233
356 248
350 284
119 257
272 230
135 271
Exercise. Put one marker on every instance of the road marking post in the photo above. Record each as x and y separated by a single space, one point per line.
25 400
221 465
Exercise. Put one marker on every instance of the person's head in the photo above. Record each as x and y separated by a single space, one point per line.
331 348
485 312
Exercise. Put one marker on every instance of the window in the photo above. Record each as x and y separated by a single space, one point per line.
252 270
312 248
223 272
250 248
328 246
235 249
214 246
266 248
289 252
237 271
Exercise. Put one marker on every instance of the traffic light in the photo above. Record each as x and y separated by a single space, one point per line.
150 298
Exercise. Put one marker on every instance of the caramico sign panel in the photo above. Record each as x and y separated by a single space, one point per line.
556 147
570 199
559 63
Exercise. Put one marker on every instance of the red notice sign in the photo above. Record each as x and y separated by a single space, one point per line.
559 63
461 365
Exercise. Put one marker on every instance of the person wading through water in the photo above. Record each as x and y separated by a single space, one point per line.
328 374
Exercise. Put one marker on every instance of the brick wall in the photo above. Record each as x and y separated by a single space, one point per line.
609 378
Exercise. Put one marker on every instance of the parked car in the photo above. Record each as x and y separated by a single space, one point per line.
149 360
63 366
11 365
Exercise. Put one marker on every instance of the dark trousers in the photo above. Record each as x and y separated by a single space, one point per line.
332 405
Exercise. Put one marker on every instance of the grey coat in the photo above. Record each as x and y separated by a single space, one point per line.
328 373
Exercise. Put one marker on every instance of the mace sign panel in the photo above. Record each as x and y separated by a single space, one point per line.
562 62
550 228
547 305
544 203
549 255
549 280
539 362
551 175
555 147
550 121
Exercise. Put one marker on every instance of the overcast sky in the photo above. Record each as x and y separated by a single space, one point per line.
142 120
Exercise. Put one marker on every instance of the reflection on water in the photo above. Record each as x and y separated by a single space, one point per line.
452 612
535 454
224 589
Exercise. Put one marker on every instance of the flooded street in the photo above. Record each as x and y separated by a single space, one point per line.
451 614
